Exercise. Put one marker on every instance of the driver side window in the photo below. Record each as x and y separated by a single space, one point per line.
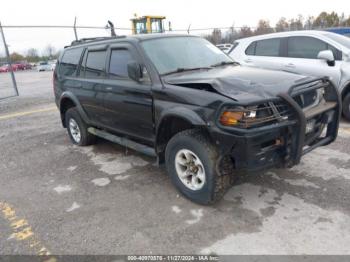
118 66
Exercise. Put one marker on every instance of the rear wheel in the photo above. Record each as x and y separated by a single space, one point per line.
191 162
346 107
77 128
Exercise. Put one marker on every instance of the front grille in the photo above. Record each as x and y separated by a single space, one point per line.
284 110
309 99
309 95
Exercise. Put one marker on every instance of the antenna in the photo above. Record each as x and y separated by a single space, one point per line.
188 29
111 25
75 29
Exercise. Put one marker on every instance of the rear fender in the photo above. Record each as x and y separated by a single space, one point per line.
70 96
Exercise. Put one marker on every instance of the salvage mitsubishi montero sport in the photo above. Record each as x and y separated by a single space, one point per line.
182 100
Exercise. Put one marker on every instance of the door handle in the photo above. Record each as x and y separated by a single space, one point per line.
290 65
109 88
248 60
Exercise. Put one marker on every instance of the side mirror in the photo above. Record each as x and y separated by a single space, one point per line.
328 56
134 71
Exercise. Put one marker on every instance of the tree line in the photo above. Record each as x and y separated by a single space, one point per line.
32 55
323 20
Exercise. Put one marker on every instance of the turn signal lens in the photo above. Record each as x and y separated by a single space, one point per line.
230 118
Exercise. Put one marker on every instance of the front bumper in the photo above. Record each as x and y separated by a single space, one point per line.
282 144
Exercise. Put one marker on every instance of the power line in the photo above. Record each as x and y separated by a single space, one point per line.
62 26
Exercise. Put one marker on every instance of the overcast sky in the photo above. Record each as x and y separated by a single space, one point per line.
181 13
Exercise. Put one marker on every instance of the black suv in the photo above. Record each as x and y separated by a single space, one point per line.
182 100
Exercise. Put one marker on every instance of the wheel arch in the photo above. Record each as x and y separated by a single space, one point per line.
173 121
67 101
345 90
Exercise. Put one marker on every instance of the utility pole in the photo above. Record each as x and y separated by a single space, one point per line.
9 60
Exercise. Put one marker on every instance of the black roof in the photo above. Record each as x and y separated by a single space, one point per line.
139 37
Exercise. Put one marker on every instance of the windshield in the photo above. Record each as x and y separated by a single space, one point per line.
343 40
173 53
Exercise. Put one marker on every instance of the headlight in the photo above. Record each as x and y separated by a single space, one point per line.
232 117
253 116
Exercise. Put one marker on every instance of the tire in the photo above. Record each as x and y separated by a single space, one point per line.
346 107
215 184
74 123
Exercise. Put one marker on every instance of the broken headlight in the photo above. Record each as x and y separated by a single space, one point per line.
253 116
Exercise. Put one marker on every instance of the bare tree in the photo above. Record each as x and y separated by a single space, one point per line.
216 36
246 31
309 23
282 25
32 52
231 35
325 19
50 51
32 55
296 24
263 27
16 57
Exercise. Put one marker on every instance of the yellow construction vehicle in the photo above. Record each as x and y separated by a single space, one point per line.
147 24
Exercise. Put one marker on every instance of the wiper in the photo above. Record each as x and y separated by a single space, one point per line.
222 63
182 69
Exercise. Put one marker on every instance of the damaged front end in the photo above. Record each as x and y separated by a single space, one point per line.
278 132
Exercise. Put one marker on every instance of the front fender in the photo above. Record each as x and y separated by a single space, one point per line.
167 116
187 114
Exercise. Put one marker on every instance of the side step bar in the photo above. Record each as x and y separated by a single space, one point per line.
123 141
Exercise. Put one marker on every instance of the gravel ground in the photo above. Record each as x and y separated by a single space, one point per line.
103 199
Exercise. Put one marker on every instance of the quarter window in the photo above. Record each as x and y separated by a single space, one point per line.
69 62
118 66
95 64
251 49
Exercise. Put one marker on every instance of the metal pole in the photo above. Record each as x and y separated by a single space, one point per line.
9 60
75 29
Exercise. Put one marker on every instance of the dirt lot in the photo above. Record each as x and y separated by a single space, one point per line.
103 199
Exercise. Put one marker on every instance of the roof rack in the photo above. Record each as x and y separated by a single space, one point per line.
94 39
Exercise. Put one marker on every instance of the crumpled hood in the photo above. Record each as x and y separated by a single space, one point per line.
240 83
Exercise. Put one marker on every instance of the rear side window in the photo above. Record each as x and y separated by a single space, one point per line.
268 47
95 64
118 66
305 47
69 62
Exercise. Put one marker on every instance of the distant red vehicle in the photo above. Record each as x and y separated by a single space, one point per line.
28 66
21 66
4 68
18 66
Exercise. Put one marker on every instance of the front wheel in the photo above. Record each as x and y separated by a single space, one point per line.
191 162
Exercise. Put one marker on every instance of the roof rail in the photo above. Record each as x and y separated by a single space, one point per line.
94 39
